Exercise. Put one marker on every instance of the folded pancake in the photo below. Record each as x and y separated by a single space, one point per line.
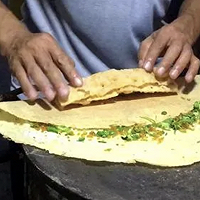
178 149
175 149
111 83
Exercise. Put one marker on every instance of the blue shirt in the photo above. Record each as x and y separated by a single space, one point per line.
97 34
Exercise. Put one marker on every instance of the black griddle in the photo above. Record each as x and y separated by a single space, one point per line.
110 181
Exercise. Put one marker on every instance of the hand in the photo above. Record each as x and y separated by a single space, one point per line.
37 59
175 46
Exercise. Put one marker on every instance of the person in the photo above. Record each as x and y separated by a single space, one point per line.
59 42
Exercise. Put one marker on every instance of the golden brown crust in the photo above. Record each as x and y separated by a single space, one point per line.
111 83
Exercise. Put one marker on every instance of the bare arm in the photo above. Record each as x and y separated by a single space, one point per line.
36 59
190 13
173 43
10 27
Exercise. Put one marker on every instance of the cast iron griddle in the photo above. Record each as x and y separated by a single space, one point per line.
109 181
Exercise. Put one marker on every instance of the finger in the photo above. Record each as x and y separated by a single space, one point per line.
66 65
193 69
154 51
144 47
20 74
182 62
166 74
54 75
169 58
39 78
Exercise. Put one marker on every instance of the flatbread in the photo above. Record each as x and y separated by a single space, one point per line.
120 111
176 150
111 83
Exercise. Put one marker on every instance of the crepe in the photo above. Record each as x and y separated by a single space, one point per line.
111 83
175 150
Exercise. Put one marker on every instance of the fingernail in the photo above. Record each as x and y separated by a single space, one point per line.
78 81
140 63
189 78
32 95
63 92
50 95
147 66
174 74
161 71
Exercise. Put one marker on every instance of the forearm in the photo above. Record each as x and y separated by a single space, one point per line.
189 14
10 27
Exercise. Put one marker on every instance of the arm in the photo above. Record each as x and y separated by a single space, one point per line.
9 28
35 57
190 14
174 43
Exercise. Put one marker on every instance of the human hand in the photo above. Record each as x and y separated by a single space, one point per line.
175 46
37 59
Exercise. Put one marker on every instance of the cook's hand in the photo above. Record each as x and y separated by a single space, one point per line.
176 49
38 58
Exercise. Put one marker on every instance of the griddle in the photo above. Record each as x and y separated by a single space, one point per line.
111 181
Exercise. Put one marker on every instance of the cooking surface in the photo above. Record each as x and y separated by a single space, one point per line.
94 180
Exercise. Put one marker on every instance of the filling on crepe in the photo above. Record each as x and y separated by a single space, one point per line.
153 130
172 142
144 128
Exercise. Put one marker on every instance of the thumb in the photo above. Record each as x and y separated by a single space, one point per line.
144 48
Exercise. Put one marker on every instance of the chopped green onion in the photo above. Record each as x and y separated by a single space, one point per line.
109 149
53 129
81 139
149 119
101 141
